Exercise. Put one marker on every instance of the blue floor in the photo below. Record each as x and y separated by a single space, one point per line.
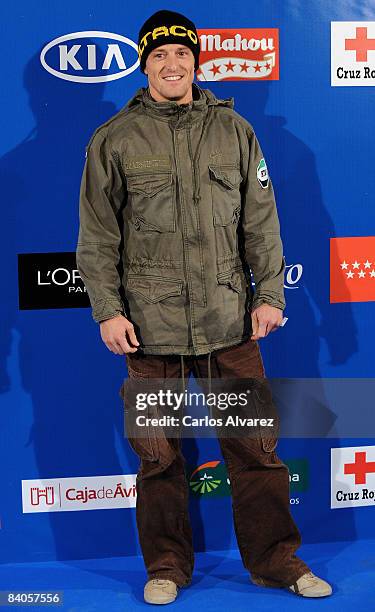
220 582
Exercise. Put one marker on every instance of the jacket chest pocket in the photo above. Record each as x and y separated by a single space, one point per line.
152 200
226 196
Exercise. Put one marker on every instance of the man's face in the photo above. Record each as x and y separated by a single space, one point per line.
170 61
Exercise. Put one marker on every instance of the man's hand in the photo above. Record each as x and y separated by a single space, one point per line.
118 335
265 319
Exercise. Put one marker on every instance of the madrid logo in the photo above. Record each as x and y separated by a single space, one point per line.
90 57
352 476
352 269
352 53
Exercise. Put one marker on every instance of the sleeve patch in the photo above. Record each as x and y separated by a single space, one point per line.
262 173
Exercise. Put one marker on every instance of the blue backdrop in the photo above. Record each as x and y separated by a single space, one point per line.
61 415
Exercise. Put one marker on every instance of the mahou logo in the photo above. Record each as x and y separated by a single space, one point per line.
82 493
90 57
235 55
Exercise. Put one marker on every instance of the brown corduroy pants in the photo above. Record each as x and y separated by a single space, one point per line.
266 533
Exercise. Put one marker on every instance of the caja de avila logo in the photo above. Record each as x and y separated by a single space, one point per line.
90 56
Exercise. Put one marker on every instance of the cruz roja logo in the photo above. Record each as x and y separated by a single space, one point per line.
90 57
352 476
352 53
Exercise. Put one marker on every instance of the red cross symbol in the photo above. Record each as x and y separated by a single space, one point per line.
361 44
360 468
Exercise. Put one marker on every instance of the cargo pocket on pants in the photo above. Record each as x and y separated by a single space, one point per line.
142 439
265 409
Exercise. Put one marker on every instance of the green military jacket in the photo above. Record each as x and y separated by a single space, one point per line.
175 206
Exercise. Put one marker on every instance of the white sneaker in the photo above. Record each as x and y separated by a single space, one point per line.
159 591
310 585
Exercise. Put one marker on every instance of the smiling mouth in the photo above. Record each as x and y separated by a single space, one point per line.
171 78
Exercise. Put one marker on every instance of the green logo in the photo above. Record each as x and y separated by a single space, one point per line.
210 479
298 474
262 173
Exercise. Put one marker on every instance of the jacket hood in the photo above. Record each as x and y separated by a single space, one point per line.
201 98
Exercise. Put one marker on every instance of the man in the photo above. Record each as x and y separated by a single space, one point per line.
175 205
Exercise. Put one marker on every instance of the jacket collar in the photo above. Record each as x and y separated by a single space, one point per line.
171 110
171 107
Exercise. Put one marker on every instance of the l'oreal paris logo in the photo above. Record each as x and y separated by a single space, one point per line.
104 57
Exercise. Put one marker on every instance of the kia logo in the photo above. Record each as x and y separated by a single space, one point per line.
69 57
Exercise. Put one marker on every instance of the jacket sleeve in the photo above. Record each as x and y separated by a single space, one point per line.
261 229
102 195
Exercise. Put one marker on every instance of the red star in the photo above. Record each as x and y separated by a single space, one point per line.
257 68
229 66
215 69
268 65
244 67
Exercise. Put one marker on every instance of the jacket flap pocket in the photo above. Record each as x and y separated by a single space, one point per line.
228 175
149 184
153 289
232 278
